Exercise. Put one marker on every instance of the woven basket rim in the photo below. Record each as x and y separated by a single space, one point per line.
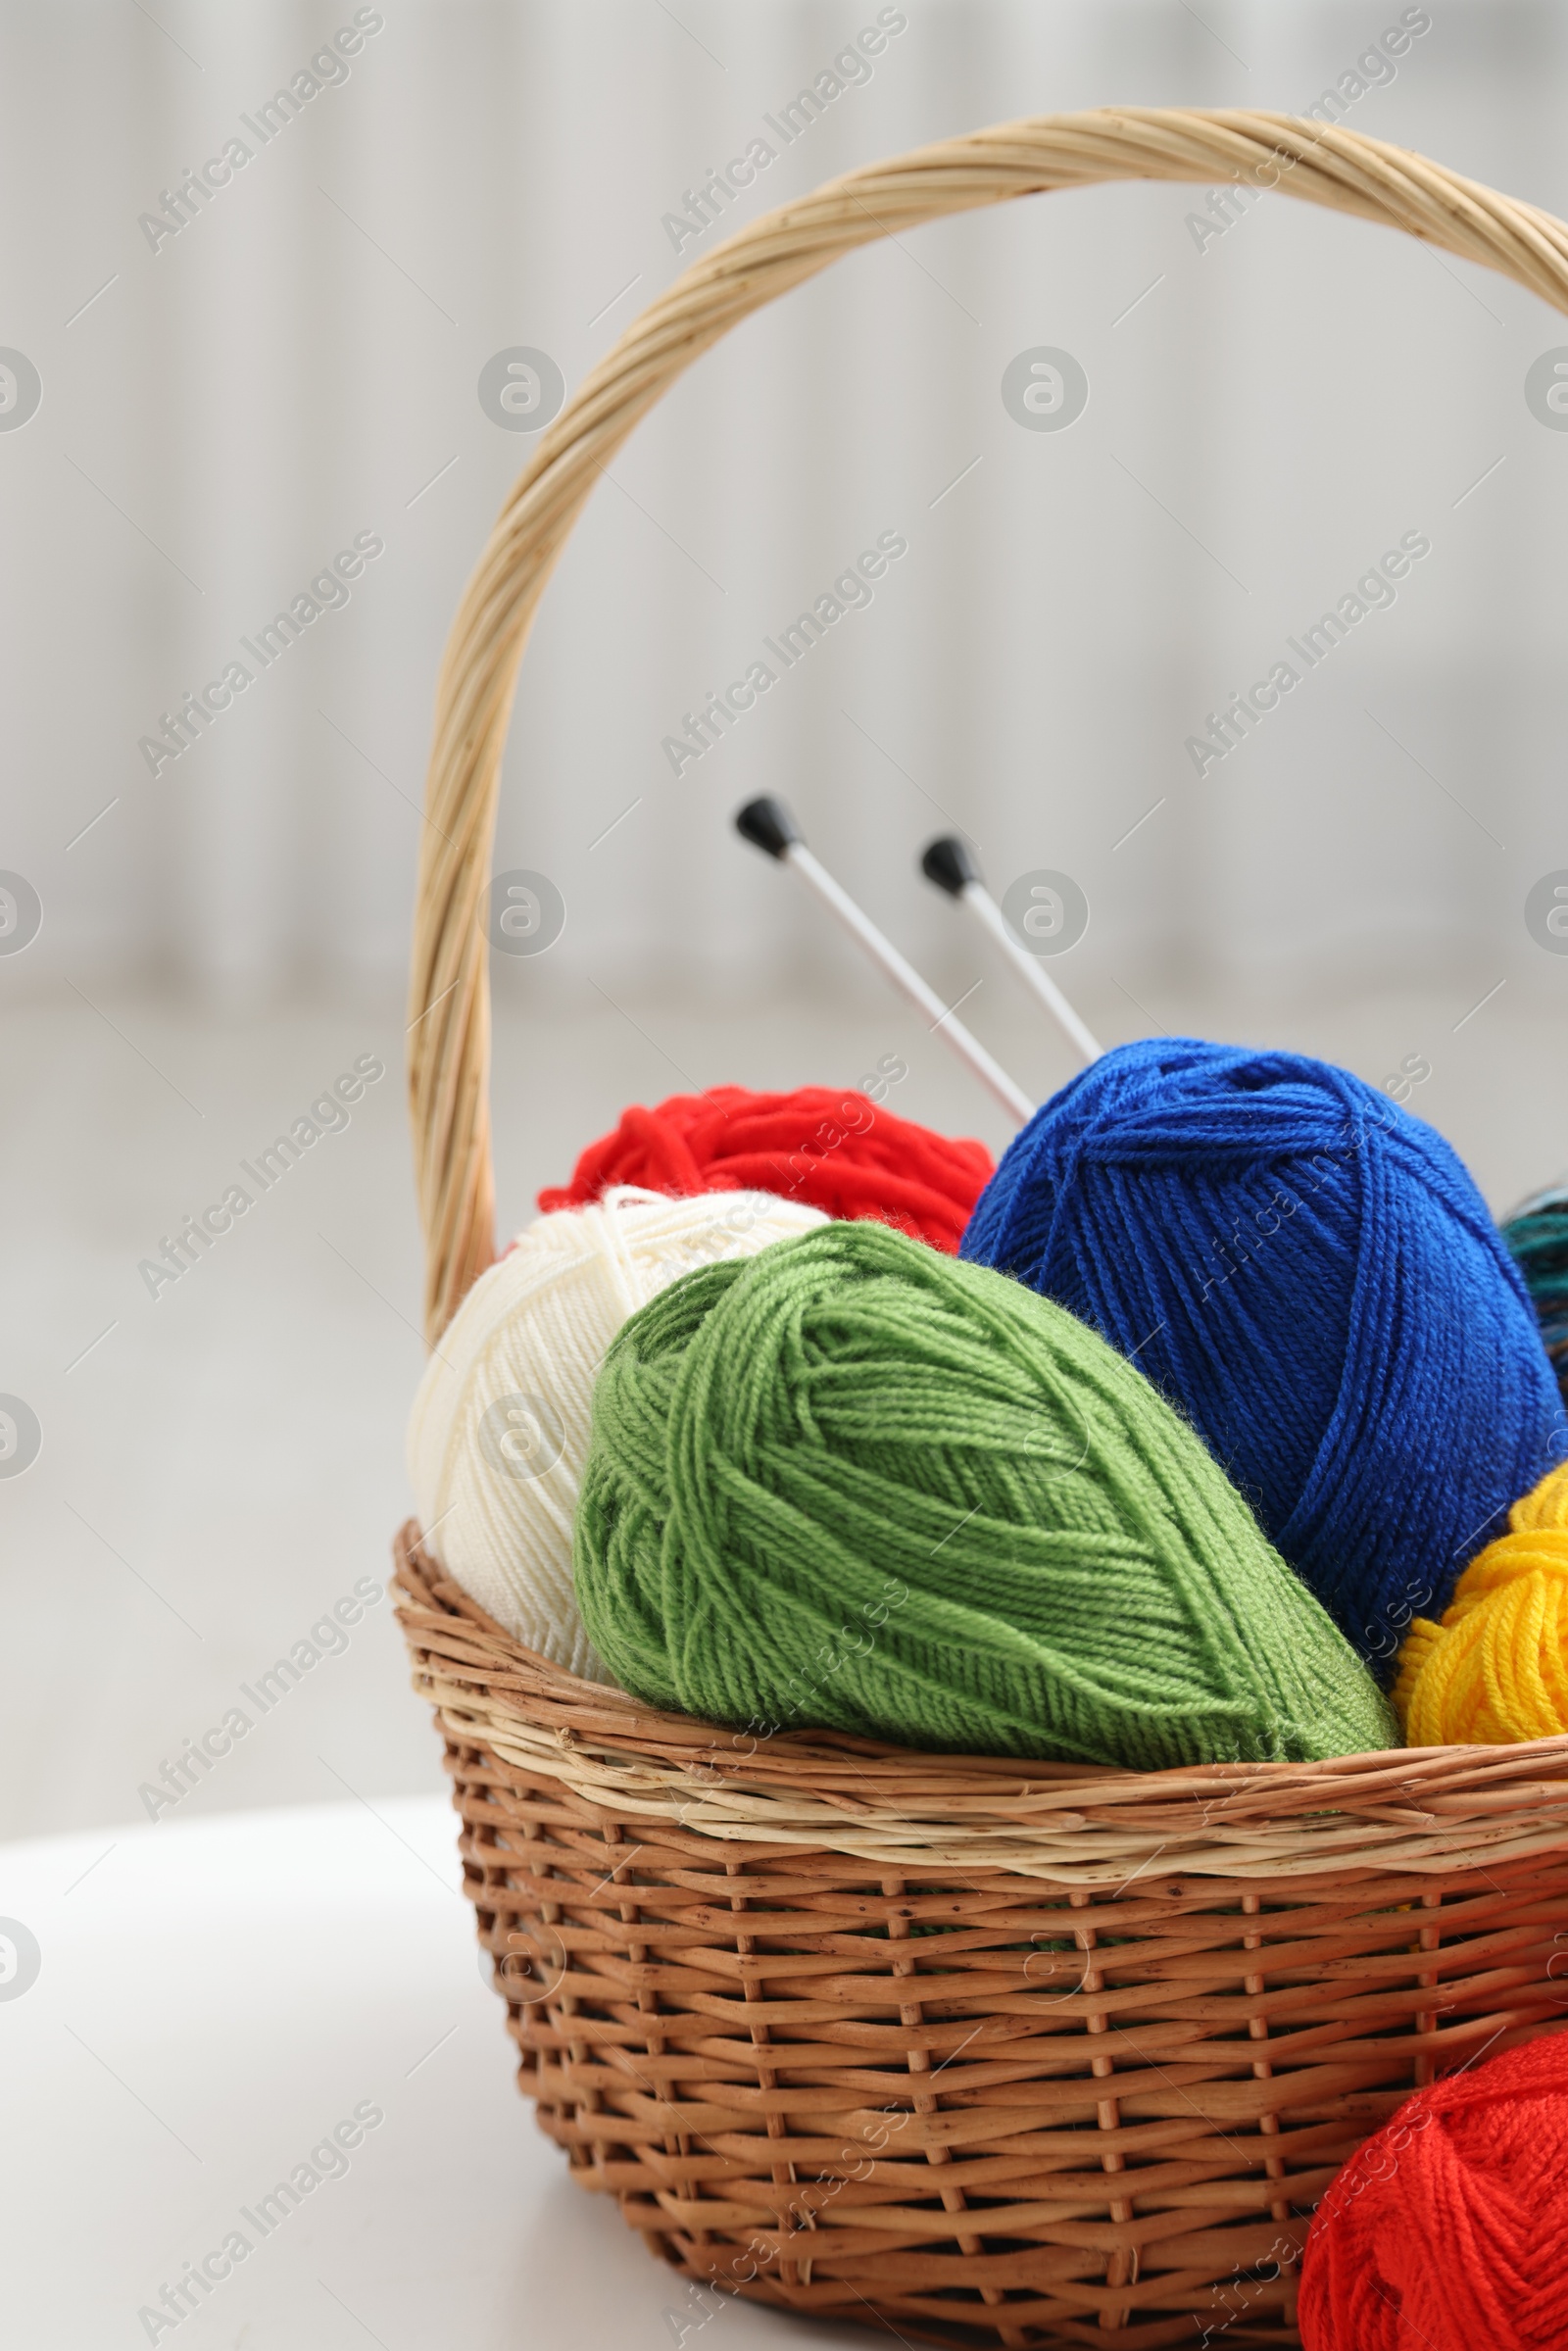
1418 1807
554 1776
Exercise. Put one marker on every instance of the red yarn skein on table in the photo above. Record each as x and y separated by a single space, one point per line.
1449 2227
835 1150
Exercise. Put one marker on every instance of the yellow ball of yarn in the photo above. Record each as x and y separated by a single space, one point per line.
499 1431
1496 1670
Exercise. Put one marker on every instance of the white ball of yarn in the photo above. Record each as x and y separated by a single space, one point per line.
499 1432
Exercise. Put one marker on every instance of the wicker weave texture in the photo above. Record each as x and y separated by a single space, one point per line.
983 2106
987 2053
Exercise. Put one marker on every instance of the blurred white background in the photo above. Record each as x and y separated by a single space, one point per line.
224 408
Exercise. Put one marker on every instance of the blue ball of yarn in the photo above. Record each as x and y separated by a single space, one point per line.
1310 1275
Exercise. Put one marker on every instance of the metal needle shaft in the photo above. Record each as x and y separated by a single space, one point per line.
947 861
767 824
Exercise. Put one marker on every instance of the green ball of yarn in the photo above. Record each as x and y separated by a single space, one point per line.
783 1447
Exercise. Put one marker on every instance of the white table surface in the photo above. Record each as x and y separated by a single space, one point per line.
212 1996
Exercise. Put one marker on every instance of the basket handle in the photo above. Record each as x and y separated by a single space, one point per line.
448 1002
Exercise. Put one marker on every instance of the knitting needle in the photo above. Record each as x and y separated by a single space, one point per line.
947 861
768 825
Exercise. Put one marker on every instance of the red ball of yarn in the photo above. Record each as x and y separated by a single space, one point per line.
835 1150
1449 2227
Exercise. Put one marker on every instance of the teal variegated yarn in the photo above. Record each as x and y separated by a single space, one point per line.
1536 1236
854 1482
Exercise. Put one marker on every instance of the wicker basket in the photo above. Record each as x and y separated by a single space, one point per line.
991 2054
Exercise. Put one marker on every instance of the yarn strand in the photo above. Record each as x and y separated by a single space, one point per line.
499 1431
1310 1276
780 1445
838 1152
1496 1670
1448 2229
